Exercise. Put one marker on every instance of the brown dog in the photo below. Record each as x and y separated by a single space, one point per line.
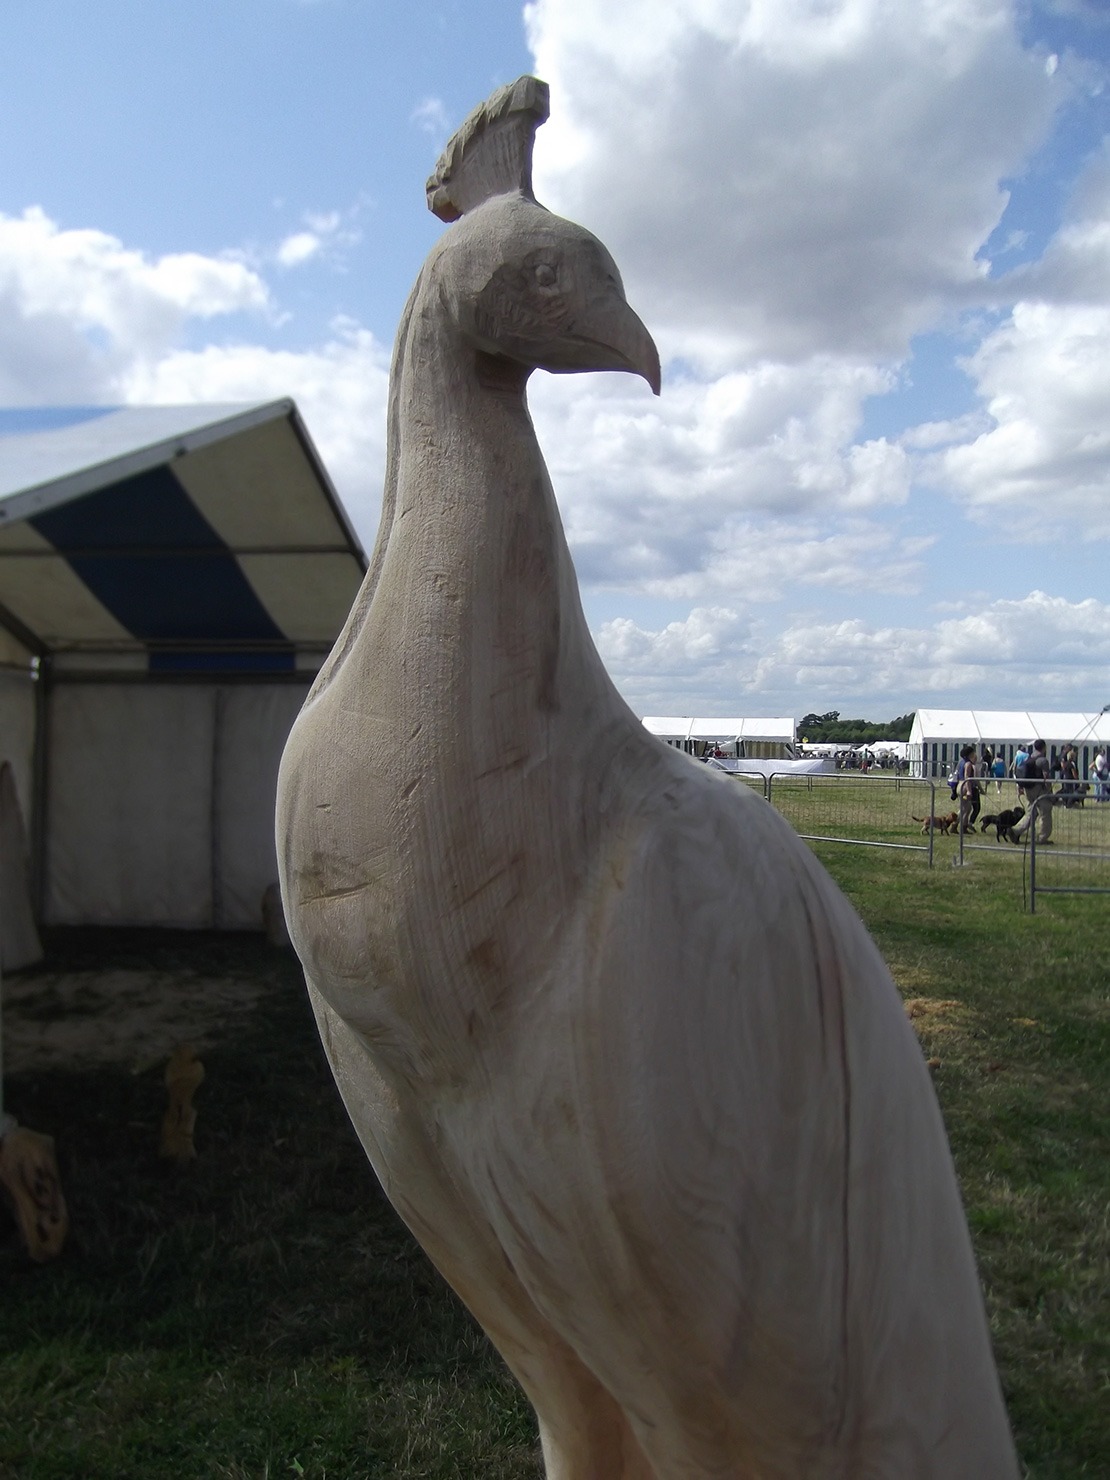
937 824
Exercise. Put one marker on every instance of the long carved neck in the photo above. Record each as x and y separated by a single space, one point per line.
470 614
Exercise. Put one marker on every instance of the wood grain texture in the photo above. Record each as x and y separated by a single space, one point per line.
622 1055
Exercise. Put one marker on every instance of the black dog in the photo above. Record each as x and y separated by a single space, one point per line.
1073 793
1003 822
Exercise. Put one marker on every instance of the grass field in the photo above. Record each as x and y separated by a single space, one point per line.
262 1313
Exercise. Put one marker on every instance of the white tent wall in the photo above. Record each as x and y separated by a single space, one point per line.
161 801
17 734
19 937
252 724
129 809
765 738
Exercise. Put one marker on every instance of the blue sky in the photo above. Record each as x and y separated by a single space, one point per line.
871 237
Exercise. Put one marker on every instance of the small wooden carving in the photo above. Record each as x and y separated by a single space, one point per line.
29 1173
184 1074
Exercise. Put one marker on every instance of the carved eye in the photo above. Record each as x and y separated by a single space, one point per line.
545 275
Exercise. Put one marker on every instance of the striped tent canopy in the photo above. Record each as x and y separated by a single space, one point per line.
170 539
171 579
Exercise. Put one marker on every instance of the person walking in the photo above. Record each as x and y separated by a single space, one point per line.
998 771
1102 776
1036 783
955 781
1069 774
969 790
1021 755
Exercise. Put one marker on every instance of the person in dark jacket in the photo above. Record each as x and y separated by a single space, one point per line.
1037 786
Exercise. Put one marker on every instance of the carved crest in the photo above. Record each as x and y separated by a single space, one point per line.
491 154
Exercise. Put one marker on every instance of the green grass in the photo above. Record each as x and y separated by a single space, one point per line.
263 1313
1015 1010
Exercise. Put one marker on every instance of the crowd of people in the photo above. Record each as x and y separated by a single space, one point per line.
1041 784
871 760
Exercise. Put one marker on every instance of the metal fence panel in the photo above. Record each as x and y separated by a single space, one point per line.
906 812
870 811
753 779
1075 858
1002 806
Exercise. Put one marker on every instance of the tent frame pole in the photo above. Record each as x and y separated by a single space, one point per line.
44 686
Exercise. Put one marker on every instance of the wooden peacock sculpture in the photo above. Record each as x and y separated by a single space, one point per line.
623 1057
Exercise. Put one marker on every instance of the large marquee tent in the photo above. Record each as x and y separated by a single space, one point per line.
752 737
171 579
937 735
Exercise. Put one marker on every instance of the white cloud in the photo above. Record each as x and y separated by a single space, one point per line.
298 248
77 306
1041 442
793 188
84 319
704 634
1004 654
706 655
1039 647
1075 267
785 178
957 429
1045 374
431 117
340 388
322 233
724 481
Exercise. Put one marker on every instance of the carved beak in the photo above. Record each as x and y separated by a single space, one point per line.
608 337
634 346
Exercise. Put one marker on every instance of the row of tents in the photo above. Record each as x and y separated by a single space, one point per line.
936 737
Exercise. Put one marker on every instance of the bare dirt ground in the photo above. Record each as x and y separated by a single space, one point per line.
131 1019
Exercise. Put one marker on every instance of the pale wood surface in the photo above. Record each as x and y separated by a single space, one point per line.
624 1058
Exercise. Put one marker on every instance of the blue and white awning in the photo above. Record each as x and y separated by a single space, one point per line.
170 539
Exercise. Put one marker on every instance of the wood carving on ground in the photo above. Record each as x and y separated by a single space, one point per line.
29 1177
623 1057
183 1077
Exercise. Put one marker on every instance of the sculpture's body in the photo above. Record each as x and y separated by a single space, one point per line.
623 1057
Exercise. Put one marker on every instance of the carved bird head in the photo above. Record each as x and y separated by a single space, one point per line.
520 282
525 284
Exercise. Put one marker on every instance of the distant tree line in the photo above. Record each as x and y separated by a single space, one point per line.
831 729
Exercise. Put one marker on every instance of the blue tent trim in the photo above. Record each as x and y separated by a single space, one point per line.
161 594
240 563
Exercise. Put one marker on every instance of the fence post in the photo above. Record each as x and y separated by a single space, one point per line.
1034 822
932 813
